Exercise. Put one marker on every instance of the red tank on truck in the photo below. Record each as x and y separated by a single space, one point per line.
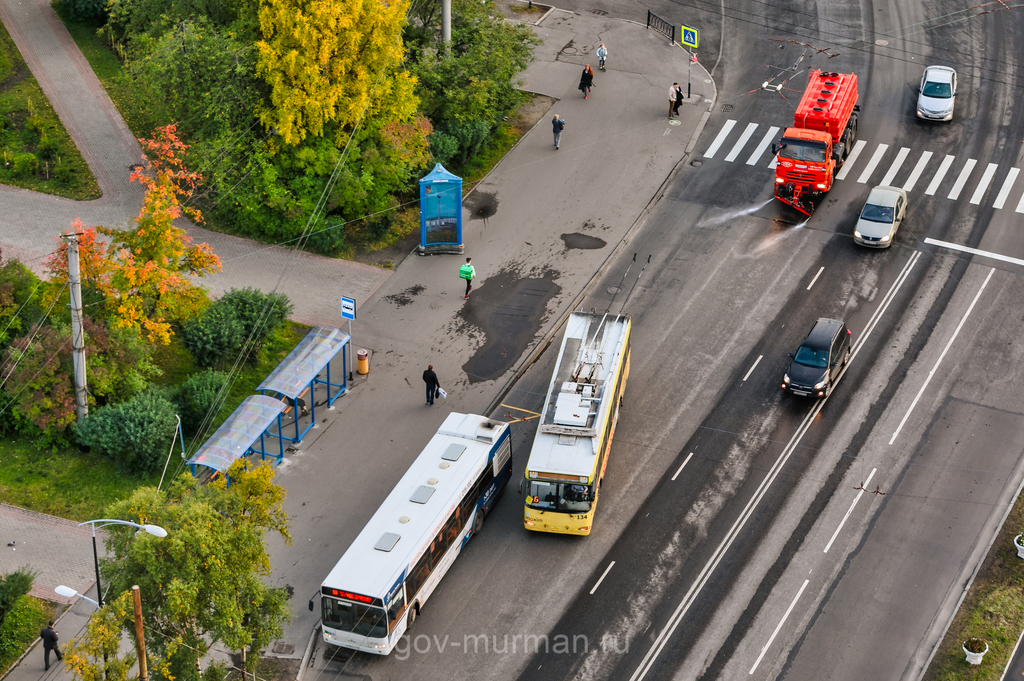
824 130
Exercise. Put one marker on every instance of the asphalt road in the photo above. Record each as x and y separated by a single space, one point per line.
743 532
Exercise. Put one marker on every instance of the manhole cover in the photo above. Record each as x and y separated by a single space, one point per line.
726 108
696 163
284 648
598 12
883 43
674 122
614 289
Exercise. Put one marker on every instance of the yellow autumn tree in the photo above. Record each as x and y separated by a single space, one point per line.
328 60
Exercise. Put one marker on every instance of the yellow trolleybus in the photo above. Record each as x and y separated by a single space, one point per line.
570 451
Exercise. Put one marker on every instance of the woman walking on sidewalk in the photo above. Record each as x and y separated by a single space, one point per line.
586 80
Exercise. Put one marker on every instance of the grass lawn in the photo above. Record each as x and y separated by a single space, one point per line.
21 627
993 610
78 486
38 153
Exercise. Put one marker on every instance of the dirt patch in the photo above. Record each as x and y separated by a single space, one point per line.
267 669
405 297
521 10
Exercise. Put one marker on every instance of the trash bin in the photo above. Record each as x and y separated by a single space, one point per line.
363 362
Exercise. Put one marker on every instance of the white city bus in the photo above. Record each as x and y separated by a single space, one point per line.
375 591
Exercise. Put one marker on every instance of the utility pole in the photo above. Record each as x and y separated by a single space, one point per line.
77 332
140 641
446 22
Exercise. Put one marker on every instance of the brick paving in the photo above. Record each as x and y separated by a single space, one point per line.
29 221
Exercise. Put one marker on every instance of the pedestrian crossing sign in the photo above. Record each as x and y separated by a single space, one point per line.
690 37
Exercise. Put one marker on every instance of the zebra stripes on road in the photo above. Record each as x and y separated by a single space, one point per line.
963 172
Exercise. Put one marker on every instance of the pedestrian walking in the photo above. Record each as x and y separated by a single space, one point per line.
602 53
430 378
672 99
557 124
679 98
467 272
586 80
49 637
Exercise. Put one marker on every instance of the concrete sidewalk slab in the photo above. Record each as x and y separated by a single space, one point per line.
538 227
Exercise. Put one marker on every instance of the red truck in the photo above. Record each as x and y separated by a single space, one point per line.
815 148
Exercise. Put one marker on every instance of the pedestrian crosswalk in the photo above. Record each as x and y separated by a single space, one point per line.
994 182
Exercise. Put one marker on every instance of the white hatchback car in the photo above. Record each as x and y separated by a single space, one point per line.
937 94
881 217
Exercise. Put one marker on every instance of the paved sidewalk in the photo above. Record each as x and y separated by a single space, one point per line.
29 221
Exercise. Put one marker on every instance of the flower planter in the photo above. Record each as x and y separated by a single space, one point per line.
1020 547
974 658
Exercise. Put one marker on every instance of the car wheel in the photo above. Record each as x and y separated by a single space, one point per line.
846 357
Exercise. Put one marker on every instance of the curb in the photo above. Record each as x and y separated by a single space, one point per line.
305 655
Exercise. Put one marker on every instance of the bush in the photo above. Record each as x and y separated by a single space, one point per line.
328 240
48 149
64 174
36 125
135 434
200 398
213 337
260 315
20 628
86 9
25 164
12 587
471 137
443 147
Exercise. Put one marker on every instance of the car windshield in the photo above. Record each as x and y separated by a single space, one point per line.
937 90
554 496
875 213
357 618
800 150
811 358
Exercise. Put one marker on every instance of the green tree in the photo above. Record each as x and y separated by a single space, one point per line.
96 655
203 583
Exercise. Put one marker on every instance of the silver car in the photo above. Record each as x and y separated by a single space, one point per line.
881 217
937 94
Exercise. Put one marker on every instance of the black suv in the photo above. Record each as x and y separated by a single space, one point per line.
821 357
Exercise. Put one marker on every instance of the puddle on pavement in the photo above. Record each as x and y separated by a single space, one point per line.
481 205
583 242
509 309
405 297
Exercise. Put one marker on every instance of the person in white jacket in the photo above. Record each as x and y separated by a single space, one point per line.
602 52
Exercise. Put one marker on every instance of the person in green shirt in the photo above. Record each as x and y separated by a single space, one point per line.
467 272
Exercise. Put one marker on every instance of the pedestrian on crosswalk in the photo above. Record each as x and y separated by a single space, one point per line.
672 106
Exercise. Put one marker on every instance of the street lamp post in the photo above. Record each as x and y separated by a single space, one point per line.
154 530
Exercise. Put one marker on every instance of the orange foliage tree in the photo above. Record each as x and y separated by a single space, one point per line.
145 272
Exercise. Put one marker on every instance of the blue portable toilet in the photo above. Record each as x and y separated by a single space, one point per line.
441 213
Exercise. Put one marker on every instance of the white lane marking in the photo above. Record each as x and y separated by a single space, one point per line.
942 356
961 180
683 465
849 511
762 145
778 627
741 142
775 162
901 156
875 159
726 129
933 186
884 305
748 510
974 251
754 366
851 159
603 575
986 180
822 269
915 174
1004 191
1020 206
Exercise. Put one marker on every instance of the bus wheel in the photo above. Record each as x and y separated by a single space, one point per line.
478 521
413 612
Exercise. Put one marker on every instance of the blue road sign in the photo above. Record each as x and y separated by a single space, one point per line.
348 308
690 37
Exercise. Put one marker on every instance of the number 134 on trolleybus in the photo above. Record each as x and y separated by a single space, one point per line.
376 590
570 450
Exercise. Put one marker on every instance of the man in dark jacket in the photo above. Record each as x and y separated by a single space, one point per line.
430 378
49 637
557 124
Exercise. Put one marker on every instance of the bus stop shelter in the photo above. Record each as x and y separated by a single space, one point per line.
238 435
295 378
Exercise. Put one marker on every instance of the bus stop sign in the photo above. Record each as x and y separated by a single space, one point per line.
690 37
348 308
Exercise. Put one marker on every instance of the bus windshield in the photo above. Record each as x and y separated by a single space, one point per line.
564 497
802 150
357 618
